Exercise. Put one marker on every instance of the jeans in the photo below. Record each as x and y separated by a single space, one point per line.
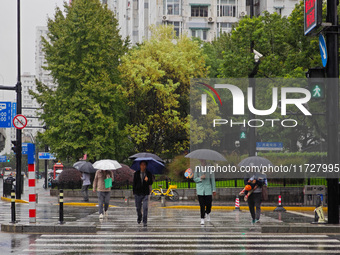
254 200
103 198
142 200
205 204
85 192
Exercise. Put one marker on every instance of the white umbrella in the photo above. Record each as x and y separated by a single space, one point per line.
106 164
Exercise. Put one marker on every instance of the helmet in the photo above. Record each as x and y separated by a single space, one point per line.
248 187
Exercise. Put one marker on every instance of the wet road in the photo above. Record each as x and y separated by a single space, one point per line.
169 231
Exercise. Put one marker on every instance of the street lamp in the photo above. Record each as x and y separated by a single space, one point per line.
252 83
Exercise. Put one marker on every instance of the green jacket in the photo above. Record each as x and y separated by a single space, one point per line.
205 187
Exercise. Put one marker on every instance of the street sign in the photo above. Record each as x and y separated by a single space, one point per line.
269 146
5 115
19 121
46 155
3 159
312 14
323 50
24 148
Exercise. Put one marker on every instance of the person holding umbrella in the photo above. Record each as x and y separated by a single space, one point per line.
141 181
205 180
104 190
205 188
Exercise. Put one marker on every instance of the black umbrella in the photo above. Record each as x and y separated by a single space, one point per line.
146 155
84 166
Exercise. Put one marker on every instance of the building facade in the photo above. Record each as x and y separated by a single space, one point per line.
205 19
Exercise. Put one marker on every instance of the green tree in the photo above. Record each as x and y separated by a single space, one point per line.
84 113
155 83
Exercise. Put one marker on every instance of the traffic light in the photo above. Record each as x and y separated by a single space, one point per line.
15 147
316 82
243 133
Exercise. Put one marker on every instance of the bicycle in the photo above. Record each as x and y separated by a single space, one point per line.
170 193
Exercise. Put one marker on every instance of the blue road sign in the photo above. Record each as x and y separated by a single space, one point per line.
24 148
46 155
323 50
5 114
269 146
3 159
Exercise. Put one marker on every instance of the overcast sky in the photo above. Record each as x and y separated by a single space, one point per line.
33 13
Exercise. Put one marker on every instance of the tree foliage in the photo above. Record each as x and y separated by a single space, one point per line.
84 112
155 83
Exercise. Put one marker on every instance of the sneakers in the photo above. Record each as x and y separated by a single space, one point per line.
106 213
241 193
145 224
257 221
246 198
202 221
101 216
207 216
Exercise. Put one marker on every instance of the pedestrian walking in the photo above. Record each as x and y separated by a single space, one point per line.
255 198
85 188
205 188
141 189
103 190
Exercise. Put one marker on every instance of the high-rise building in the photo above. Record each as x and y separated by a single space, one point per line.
30 107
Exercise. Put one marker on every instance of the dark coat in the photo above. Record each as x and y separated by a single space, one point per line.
138 187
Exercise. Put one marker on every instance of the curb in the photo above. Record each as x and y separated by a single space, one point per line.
16 200
264 208
47 228
315 229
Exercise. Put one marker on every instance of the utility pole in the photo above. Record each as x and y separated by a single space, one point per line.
332 70
252 131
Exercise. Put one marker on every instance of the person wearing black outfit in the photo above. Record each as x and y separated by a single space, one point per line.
141 181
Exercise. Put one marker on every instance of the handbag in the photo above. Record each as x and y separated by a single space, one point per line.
108 183
264 193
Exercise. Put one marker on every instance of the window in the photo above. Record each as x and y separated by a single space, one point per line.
223 27
177 27
171 7
199 33
199 11
226 8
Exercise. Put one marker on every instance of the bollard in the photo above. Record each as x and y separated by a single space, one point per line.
13 206
237 204
163 201
61 207
280 207
126 201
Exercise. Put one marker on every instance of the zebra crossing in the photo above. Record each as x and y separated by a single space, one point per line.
171 231
181 243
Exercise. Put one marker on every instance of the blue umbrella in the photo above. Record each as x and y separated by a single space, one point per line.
154 166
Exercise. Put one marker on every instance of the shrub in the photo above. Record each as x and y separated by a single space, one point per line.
69 178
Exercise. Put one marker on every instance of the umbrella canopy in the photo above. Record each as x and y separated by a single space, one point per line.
154 166
146 155
255 161
206 154
84 166
106 164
